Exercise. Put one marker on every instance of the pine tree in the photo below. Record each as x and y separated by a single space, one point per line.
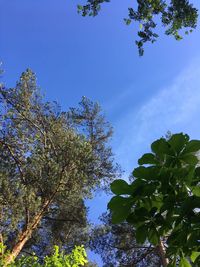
50 162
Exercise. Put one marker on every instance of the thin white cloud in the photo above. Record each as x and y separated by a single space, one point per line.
175 108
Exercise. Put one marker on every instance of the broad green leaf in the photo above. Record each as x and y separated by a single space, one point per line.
146 173
118 202
161 147
120 187
184 263
141 234
194 256
140 172
189 159
120 215
134 220
196 191
178 141
137 188
153 236
189 204
147 158
192 146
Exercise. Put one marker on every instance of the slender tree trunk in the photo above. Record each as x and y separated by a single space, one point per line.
162 253
26 235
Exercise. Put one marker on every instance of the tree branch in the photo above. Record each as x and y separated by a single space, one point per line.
17 161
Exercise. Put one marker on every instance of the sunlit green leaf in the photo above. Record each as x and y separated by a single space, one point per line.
195 255
184 263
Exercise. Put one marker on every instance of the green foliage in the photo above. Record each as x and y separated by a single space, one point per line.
50 162
175 16
164 199
76 258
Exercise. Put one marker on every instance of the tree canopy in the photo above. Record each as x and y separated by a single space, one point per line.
50 162
163 202
117 245
174 16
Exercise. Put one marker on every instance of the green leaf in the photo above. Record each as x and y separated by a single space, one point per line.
197 172
147 158
120 215
189 159
189 204
178 141
120 208
118 202
161 147
196 191
137 187
192 146
194 256
184 263
127 21
120 187
153 236
141 234
140 172
80 7
147 173
134 220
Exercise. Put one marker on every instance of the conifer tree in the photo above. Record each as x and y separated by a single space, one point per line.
50 162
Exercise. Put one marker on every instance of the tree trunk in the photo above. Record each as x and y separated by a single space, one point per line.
26 235
162 253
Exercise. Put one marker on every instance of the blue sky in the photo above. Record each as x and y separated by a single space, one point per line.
72 56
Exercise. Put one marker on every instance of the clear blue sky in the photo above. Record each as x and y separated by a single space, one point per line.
96 57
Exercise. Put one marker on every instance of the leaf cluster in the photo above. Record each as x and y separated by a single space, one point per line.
76 258
164 199
174 16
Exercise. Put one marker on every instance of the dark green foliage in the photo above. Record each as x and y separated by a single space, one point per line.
164 199
50 162
116 243
175 16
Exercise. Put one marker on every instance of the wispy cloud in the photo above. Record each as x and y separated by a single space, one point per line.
175 108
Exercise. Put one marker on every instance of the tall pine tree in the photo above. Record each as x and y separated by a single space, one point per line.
50 162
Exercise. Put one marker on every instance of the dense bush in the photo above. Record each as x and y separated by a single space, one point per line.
76 258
